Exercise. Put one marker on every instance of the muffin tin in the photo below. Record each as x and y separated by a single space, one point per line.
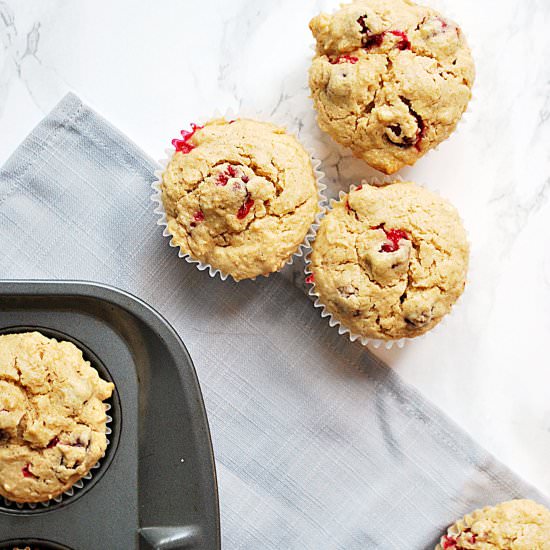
156 486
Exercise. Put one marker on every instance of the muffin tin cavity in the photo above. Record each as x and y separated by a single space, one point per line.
85 484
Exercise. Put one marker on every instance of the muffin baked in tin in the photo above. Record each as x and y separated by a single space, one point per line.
53 419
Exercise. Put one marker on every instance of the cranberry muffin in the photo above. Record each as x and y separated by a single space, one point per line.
390 79
389 262
52 417
240 196
512 525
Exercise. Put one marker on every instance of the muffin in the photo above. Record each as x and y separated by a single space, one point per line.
512 525
390 79
52 417
389 262
240 196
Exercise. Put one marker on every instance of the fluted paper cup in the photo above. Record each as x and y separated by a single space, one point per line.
229 115
332 319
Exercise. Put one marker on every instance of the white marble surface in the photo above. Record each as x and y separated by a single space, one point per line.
152 67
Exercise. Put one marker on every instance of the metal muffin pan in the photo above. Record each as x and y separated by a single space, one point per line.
156 486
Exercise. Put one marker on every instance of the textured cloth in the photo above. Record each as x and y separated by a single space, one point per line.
318 445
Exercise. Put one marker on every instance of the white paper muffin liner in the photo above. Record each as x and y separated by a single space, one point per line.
73 489
231 115
375 343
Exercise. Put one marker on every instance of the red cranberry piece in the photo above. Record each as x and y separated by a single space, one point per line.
373 40
310 279
359 187
370 39
245 209
230 172
183 145
198 216
398 139
472 536
245 179
376 40
53 443
448 542
222 179
421 132
393 236
27 472
344 59
362 22
404 43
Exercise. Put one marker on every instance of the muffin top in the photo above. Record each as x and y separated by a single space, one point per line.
52 416
512 525
240 196
389 262
390 79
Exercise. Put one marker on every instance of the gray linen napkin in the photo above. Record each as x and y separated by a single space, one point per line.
318 445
